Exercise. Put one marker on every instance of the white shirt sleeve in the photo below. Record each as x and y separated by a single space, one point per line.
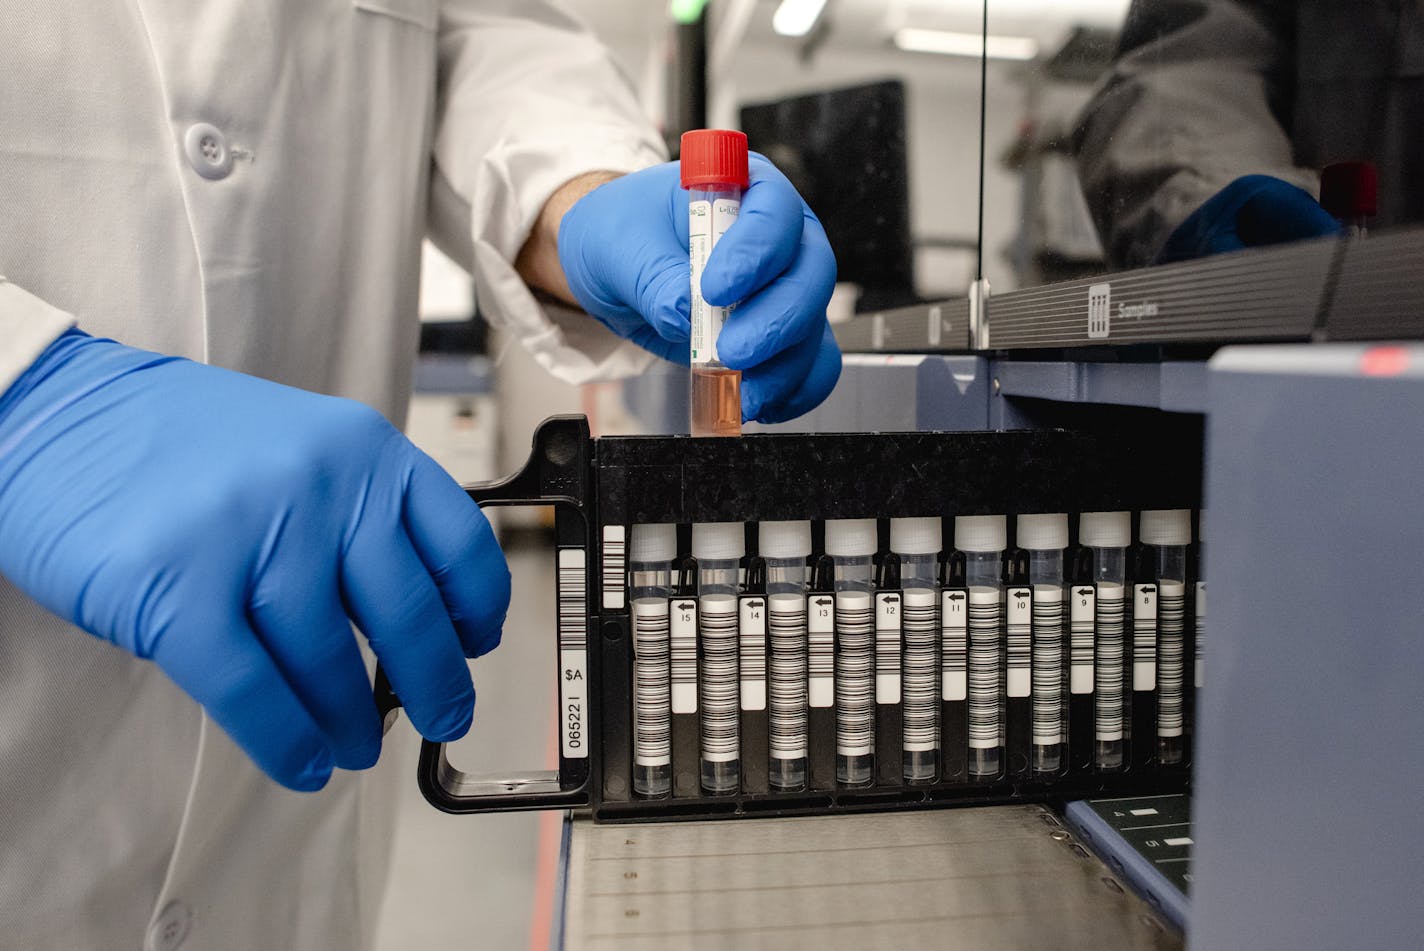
27 326
528 100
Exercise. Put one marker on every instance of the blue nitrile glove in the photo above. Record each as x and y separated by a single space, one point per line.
226 527
623 248
1254 210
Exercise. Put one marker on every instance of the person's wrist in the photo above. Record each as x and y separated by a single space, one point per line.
538 262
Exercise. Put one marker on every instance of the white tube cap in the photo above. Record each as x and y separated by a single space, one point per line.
916 536
1043 532
981 532
718 541
784 539
850 537
653 543
1166 527
1105 529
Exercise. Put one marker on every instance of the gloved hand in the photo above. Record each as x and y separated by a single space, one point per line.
1253 210
623 248
226 527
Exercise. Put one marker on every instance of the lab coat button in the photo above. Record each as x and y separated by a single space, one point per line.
207 151
171 928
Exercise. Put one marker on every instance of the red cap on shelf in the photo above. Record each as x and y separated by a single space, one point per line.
1350 190
714 157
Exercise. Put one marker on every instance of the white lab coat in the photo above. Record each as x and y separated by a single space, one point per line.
1206 91
125 815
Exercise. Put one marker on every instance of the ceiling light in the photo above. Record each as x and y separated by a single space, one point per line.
796 17
965 44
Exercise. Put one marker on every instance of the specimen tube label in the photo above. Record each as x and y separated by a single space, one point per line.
1019 622
707 222
1111 674
684 655
1081 615
752 653
572 587
1201 629
615 564
1171 632
855 674
787 718
954 620
887 648
1144 637
821 637
985 730
1047 665
921 703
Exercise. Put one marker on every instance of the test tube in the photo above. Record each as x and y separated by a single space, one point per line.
714 169
1045 537
851 545
917 542
1107 536
1168 532
983 539
652 551
718 547
786 546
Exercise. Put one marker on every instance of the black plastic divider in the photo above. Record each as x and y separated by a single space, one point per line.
631 480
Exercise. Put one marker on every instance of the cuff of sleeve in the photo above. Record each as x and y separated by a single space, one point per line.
27 326
513 183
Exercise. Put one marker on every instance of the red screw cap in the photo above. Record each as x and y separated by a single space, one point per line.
714 157
1350 190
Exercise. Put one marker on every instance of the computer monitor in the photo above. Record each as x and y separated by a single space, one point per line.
844 150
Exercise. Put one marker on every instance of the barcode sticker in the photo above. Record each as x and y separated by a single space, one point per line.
954 649
652 683
1111 674
615 565
855 674
1047 665
918 621
786 716
887 647
985 729
1171 636
821 641
1080 639
1201 630
1144 637
1019 623
572 596
752 652
683 626
717 630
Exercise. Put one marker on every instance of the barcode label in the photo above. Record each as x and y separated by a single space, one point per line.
918 621
615 565
652 683
985 730
1201 630
1019 623
954 644
1144 637
821 641
1171 633
855 674
572 595
1047 665
683 626
1080 639
887 648
786 716
1110 675
752 653
717 628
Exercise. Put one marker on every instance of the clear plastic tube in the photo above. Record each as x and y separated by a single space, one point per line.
786 585
649 587
1171 635
1045 575
716 390
855 670
983 572
1109 677
920 630
717 679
